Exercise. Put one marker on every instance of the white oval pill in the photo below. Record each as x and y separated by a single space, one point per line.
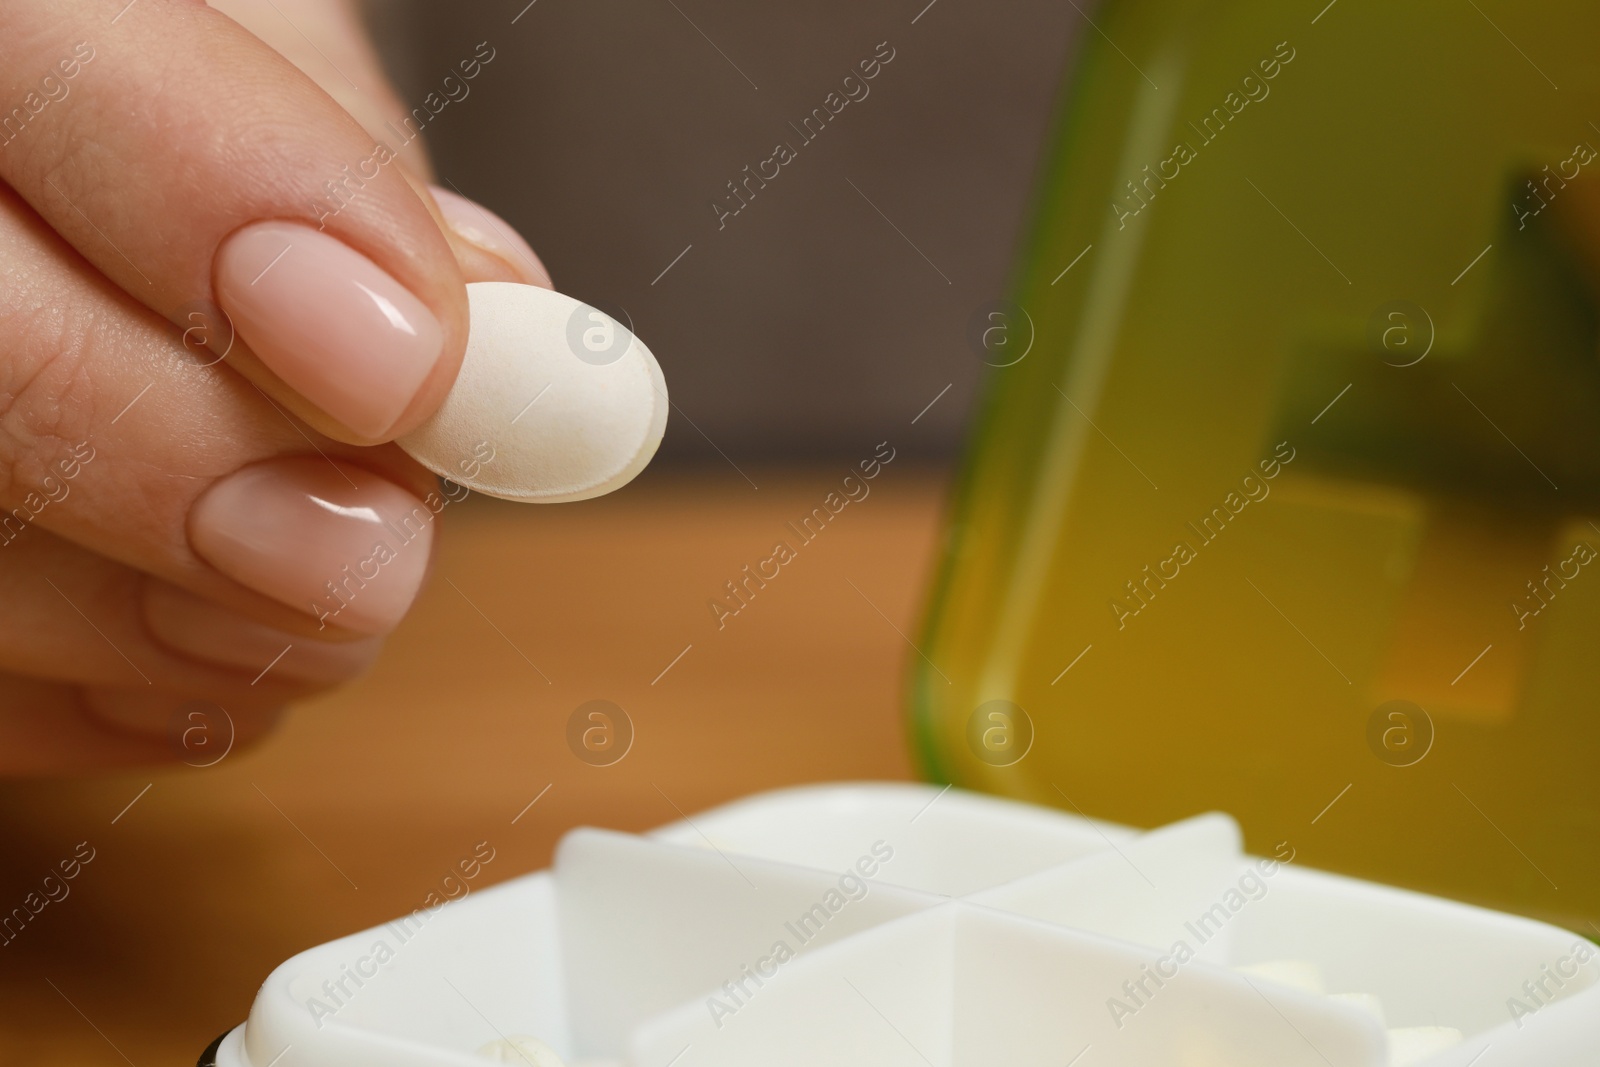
555 400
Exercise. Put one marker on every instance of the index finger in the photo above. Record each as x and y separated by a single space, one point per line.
192 164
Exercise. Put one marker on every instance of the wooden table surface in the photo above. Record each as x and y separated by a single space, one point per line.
365 800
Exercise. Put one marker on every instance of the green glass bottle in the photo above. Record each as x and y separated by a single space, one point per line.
1291 509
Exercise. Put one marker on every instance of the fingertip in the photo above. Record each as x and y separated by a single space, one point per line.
140 727
486 232
349 548
145 714
333 325
200 629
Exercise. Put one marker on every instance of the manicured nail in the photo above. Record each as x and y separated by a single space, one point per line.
196 627
338 542
476 224
136 716
328 321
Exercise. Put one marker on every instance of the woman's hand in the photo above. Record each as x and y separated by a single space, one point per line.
222 297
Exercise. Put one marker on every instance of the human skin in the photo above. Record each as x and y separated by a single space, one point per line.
199 387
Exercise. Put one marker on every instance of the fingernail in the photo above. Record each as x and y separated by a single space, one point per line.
338 542
476 224
201 629
328 321
136 715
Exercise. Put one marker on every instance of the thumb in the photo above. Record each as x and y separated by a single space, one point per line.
328 40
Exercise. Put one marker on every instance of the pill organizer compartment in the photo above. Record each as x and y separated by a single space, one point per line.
889 924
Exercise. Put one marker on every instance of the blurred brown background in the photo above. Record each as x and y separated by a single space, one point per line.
810 324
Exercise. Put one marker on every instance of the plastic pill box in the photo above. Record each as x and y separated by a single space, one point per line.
896 924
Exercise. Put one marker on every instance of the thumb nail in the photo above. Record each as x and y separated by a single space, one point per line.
488 232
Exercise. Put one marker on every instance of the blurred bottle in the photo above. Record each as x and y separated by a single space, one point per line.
1284 497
